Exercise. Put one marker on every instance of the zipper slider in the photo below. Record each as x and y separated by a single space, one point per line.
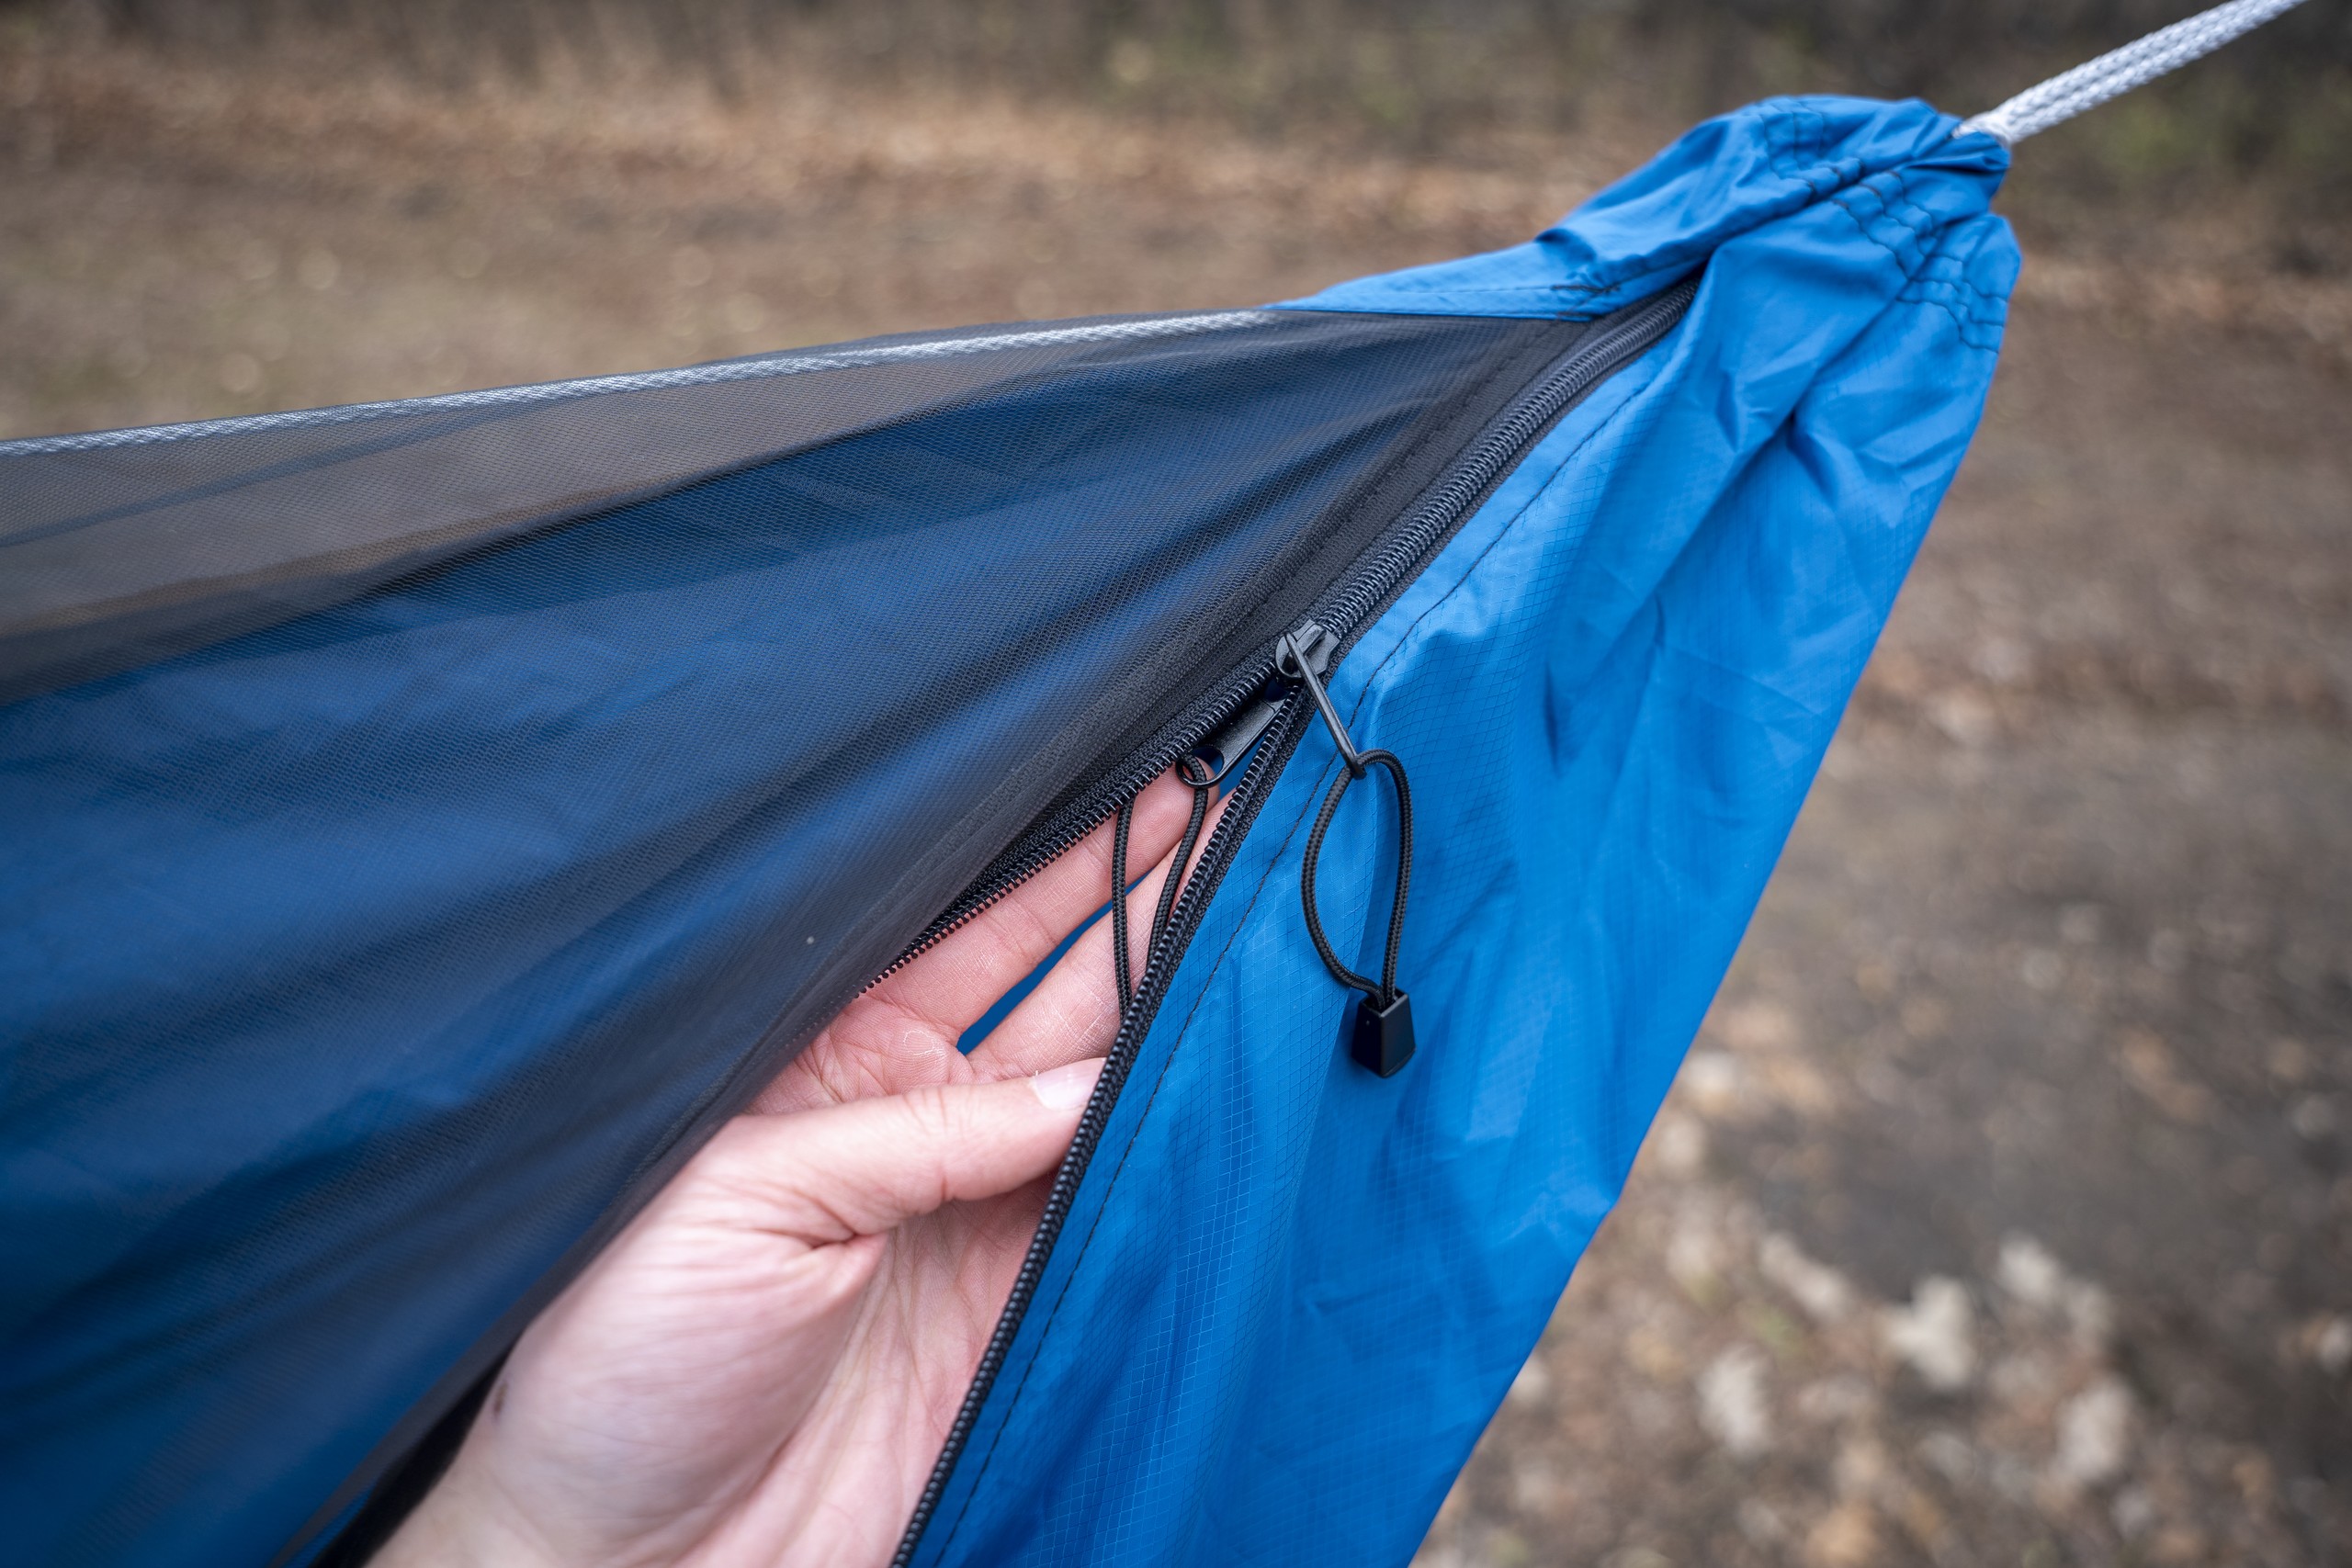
1222 753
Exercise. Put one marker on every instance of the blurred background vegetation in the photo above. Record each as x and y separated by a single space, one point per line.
1406 75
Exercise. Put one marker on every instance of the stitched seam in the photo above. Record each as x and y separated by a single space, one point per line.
1861 226
1477 289
1405 638
1921 289
1784 118
1683 260
1795 150
1976 324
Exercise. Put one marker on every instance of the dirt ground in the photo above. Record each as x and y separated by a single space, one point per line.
2003 1214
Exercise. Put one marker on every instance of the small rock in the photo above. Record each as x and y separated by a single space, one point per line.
1711 1078
1682 1145
2332 1346
1965 718
1861 1469
2094 1434
1731 1402
1757 1026
1819 1289
1846 1537
2037 1281
1639 1557
2003 660
1924 1522
1532 1383
2257 1482
2150 1066
1936 1334
1694 1257
1535 1486
2029 1272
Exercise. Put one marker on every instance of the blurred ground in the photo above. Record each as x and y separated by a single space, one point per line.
2003 1211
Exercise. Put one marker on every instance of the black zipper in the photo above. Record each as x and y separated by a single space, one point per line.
1255 700
1491 433
1159 967
1346 609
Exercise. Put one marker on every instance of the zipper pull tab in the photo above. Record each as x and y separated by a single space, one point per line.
1304 656
1380 1033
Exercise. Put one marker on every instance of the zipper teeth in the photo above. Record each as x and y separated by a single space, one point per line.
1366 591
1495 451
1435 516
1240 690
1207 871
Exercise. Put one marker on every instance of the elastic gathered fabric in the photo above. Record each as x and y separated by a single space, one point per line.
1290 1294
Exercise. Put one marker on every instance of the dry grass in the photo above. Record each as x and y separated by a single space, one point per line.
182 239
185 235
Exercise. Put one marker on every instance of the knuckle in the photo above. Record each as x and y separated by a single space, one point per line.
936 1115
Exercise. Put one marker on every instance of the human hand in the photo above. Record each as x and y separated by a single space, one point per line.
763 1367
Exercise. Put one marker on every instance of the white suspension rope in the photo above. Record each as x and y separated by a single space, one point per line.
2117 71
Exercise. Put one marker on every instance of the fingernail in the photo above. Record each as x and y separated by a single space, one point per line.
1064 1087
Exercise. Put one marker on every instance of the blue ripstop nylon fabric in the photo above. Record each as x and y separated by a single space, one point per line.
352 967
1290 1295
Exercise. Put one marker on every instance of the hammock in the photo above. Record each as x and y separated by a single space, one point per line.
427 821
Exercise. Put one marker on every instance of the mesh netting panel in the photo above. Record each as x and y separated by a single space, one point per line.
482 795
118 547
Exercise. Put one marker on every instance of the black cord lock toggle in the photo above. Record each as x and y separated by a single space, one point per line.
1380 1034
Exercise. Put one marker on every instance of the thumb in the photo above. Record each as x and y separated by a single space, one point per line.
869 1166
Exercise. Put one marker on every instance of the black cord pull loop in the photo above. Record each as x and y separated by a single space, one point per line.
1384 990
1380 1036
1195 772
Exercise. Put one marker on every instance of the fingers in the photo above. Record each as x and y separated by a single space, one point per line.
1074 1012
865 1168
955 982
